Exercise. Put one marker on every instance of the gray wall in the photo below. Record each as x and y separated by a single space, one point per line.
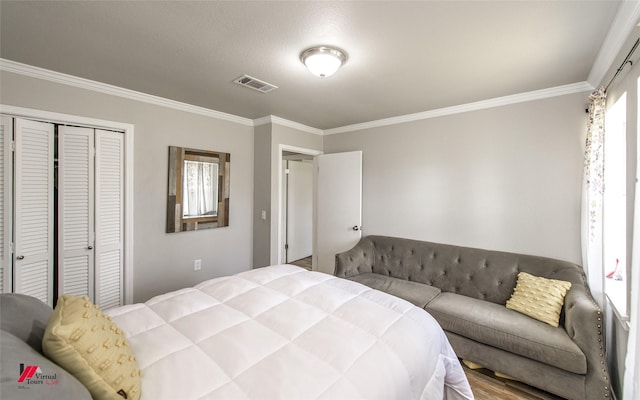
268 139
507 178
162 261
284 135
262 196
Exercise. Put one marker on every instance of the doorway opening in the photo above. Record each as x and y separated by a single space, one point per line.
296 194
297 200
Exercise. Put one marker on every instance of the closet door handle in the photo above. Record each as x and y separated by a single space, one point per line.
20 258
89 247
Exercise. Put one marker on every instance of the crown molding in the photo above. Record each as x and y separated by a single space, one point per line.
272 119
625 21
262 120
478 105
65 79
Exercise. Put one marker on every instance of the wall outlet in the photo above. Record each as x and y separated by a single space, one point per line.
197 265
263 215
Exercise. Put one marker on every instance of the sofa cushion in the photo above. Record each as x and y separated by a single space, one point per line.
416 293
49 381
539 298
497 326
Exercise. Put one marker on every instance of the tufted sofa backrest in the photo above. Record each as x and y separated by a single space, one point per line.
482 274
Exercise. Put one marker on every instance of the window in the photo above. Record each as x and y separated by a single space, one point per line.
615 205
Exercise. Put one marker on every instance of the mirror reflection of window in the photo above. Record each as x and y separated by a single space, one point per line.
197 189
200 189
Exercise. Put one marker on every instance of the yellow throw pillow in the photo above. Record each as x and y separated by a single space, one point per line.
85 342
539 298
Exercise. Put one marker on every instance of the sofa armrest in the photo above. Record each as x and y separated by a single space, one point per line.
25 317
584 323
355 261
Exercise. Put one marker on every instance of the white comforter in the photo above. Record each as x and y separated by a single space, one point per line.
282 332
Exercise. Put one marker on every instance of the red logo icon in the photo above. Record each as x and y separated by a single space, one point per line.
28 372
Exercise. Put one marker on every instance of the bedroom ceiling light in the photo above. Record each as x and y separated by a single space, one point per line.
323 61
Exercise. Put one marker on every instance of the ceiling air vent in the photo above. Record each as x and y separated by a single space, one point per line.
255 84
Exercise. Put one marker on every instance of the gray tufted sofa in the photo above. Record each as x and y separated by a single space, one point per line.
466 289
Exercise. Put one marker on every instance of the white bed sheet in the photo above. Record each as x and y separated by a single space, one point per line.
282 332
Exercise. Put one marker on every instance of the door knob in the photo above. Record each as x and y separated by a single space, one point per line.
20 258
89 247
356 228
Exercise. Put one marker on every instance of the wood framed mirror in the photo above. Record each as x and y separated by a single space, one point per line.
198 189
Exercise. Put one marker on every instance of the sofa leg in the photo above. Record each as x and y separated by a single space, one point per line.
501 375
472 365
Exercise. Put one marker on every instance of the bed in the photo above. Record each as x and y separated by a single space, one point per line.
278 332
282 332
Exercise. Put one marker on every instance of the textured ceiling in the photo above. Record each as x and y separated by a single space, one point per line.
404 57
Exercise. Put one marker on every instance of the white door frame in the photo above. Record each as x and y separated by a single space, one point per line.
7 262
277 209
60 118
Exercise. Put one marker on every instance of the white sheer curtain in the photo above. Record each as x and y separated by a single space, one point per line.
631 388
592 196
200 188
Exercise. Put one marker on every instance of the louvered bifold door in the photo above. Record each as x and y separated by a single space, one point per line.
33 209
75 211
109 218
6 196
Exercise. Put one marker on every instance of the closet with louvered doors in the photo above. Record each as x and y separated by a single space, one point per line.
66 219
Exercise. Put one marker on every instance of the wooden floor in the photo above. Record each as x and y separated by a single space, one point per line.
303 262
486 386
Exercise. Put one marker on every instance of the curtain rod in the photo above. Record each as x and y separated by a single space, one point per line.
624 63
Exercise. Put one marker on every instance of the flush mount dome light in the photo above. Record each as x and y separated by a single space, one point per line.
323 61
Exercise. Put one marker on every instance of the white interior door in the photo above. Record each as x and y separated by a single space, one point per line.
109 218
33 267
338 206
299 210
6 197
75 210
